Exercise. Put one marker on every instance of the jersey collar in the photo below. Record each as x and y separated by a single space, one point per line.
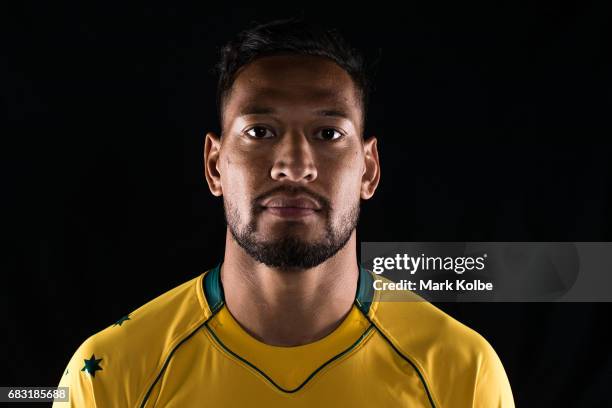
213 289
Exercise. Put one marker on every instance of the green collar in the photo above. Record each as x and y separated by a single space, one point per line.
213 289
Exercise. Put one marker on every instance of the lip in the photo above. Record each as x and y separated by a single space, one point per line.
290 212
291 207
294 204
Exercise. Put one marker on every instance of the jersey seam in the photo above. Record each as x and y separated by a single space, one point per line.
366 335
168 355
371 316
413 362
175 344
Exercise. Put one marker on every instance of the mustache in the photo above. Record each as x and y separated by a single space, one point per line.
291 191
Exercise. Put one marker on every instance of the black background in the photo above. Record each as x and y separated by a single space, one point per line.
493 125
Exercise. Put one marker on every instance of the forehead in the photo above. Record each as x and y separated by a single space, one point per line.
293 82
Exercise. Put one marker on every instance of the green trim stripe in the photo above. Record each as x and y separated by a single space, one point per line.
409 361
148 394
213 291
269 379
363 299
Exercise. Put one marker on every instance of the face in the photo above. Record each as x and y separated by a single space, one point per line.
291 164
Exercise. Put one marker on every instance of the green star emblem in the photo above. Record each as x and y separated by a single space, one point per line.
92 365
123 319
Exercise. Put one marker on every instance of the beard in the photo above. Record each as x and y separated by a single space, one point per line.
291 252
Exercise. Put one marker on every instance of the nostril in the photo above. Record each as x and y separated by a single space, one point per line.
294 173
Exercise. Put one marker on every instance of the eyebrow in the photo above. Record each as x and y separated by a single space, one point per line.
265 110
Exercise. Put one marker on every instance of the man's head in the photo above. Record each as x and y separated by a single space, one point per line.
291 162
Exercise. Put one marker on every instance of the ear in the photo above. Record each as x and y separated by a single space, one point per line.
371 172
212 150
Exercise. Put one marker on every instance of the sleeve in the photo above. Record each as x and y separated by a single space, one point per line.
492 386
80 387
90 379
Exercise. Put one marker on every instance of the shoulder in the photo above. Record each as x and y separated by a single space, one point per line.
116 365
456 362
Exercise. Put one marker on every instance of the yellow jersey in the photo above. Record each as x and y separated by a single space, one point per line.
184 349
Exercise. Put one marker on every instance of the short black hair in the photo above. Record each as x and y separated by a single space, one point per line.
293 36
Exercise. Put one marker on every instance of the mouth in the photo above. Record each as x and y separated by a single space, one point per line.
291 207
291 212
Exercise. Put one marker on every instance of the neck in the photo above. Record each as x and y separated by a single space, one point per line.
289 308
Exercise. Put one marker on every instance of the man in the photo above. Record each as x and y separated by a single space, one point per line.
288 318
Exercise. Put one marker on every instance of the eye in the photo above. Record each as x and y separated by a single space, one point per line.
259 132
330 134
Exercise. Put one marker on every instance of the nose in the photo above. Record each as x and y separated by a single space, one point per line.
294 159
